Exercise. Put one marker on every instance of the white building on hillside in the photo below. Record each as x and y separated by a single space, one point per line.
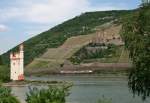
17 65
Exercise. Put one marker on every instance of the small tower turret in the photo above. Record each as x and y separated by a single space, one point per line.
21 47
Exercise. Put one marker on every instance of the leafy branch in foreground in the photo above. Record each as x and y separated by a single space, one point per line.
136 34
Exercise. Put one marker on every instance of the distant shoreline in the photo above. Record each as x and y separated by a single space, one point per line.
97 68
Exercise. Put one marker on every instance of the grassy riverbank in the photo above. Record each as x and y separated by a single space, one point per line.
35 82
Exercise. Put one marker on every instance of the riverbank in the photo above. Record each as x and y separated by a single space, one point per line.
27 83
101 74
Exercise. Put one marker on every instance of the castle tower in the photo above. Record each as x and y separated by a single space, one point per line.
17 64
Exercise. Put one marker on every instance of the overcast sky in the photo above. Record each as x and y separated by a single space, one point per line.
22 19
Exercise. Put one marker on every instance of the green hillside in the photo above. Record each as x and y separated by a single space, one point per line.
55 37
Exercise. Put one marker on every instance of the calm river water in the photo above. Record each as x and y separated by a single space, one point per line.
89 89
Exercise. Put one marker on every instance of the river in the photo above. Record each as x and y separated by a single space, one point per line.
89 88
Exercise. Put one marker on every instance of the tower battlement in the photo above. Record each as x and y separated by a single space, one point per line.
17 64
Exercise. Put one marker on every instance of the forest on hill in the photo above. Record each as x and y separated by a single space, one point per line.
56 36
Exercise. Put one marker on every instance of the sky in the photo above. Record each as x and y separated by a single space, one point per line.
23 19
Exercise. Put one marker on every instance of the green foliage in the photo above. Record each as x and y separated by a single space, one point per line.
80 25
53 94
6 96
99 52
136 34
4 73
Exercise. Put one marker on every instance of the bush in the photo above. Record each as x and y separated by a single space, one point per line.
6 96
53 94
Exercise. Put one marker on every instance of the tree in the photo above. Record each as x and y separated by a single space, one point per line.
4 73
145 2
136 35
